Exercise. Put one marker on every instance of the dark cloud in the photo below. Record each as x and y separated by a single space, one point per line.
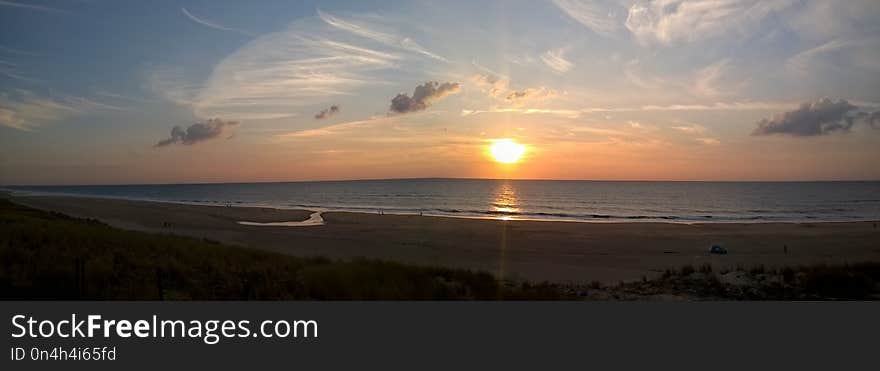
518 94
197 132
327 112
530 95
423 96
821 117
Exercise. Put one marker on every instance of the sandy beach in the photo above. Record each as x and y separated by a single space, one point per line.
532 250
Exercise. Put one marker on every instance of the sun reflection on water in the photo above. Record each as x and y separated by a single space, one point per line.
506 204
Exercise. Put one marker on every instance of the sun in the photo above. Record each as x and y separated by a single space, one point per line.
507 151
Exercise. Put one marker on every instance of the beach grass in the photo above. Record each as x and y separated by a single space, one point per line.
858 281
47 255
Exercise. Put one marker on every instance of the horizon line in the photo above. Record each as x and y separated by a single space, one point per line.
444 178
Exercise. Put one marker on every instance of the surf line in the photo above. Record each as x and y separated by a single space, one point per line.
313 220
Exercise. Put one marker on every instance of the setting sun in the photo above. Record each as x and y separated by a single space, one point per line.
507 151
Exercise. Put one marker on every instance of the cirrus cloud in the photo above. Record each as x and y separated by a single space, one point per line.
212 24
555 59
367 31
673 21
24 110
602 17
311 61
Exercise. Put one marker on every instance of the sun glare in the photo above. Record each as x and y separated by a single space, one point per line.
507 151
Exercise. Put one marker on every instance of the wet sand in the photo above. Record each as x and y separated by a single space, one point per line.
532 250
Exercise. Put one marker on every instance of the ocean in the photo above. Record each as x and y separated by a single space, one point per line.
586 201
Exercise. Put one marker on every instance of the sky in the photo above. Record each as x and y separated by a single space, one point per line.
135 92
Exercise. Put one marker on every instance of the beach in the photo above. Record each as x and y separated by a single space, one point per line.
517 250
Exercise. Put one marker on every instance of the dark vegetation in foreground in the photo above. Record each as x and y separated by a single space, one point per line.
51 256
816 282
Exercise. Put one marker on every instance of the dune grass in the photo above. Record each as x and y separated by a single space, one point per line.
859 281
51 256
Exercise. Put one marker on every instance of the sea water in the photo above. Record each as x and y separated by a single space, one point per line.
617 201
